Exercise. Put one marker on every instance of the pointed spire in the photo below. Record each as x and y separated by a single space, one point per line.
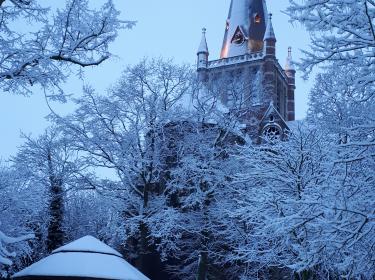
202 53
250 17
203 48
289 66
270 33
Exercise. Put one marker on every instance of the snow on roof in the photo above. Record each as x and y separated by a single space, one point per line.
88 244
271 109
86 257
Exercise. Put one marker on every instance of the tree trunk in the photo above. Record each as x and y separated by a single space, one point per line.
55 236
203 266
55 233
143 250
304 275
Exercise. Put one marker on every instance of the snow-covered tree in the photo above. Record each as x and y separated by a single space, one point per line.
44 54
49 166
342 31
5 255
277 191
339 108
342 105
87 212
13 221
198 174
306 205
122 134
188 229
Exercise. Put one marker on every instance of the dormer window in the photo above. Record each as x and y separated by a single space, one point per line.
257 18
238 37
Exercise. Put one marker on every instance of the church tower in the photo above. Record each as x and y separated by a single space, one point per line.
248 78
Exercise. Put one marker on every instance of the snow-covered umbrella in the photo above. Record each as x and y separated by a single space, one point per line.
86 258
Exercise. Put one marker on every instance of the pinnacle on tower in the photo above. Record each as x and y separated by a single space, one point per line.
202 52
203 48
270 38
289 66
270 33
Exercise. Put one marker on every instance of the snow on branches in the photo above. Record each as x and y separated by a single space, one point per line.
5 255
341 31
43 53
341 107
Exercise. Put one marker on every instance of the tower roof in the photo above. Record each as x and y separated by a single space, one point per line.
245 27
270 33
203 48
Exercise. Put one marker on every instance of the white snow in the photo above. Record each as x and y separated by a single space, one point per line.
88 244
5 255
97 261
235 60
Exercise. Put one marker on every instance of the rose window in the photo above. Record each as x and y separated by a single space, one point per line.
271 133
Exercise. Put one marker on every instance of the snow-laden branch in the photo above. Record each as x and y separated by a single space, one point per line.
341 32
73 36
5 255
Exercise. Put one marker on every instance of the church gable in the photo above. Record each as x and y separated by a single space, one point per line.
272 126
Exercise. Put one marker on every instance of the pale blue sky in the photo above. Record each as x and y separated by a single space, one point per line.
165 28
